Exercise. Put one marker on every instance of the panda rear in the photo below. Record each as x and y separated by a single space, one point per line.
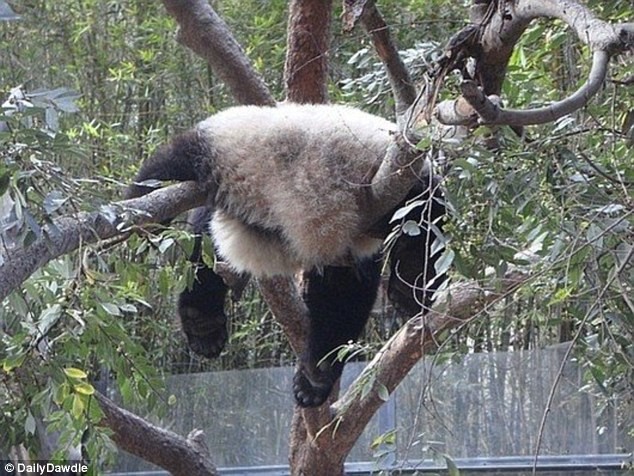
287 188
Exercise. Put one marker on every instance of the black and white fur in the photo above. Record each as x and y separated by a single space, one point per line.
287 189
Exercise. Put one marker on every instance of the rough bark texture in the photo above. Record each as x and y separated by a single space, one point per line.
180 456
284 299
306 79
306 69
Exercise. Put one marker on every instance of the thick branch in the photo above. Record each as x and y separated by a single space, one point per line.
69 232
419 336
400 169
306 69
491 114
202 30
596 33
172 452
283 298
401 83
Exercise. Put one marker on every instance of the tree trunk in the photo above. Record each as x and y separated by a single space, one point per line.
306 69
310 455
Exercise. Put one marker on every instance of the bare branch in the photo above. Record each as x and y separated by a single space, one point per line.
491 114
486 110
402 86
596 33
399 170
69 232
501 29
180 456
202 30
283 298
367 12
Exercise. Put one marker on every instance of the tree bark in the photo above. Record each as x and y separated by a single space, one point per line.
499 25
180 456
306 68
202 30
368 14
306 80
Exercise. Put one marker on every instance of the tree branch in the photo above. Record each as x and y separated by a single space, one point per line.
283 298
202 30
419 336
306 68
69 232
180 456
402 86
501 29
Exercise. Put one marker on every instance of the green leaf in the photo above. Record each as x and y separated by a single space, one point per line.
165 244
84 388
111 308
411 228
445 260
13 362
60 394
54 201
451 466
403 211
383 392
48 318
75 373
29 424
78 406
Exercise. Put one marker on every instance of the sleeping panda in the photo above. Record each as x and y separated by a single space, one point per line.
287 190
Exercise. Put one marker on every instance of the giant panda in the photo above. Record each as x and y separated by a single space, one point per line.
287 191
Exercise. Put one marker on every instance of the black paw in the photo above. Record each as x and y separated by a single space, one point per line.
312 386
202 314
206 334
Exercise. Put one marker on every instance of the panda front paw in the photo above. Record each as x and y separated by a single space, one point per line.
206 334
312 386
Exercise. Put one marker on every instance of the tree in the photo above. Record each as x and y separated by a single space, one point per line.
495 29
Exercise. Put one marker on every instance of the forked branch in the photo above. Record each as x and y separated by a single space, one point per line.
202 30
500 31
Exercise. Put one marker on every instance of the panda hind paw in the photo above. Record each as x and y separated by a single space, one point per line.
310 392
206 335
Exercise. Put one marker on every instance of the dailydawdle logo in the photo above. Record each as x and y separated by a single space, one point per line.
44 468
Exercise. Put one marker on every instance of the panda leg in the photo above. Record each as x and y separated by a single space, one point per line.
413 278
201 308
339 301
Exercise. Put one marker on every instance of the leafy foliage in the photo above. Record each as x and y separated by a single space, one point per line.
557 202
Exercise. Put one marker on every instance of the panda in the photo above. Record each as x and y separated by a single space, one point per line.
287 189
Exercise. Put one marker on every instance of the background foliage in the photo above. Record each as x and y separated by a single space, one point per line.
106 83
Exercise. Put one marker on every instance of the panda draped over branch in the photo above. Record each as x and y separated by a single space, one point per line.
286 189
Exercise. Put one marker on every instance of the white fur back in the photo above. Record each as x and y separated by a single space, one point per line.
298 171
